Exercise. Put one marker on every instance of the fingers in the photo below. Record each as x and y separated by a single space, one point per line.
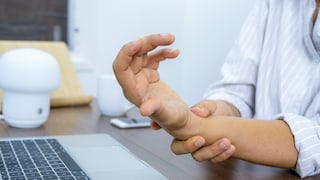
151 42
140 48
133 65
204 109
188 146
121 65
154 125
124 57
224 155
217 152
163 54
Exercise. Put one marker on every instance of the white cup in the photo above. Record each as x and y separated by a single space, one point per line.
110 98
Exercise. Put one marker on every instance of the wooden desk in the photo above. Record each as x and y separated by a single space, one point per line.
152 146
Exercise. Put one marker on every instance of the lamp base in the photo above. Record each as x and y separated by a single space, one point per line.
26 110
24 123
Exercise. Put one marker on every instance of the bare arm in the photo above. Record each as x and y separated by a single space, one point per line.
263 142
220 150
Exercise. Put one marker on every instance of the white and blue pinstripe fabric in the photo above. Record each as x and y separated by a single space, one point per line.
273 72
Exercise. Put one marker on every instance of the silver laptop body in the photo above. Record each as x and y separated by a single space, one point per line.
102 157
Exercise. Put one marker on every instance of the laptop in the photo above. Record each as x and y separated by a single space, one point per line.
90 156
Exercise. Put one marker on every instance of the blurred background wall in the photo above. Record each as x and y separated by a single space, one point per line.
204 29
95 30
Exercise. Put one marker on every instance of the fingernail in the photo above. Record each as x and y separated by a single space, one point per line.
164 34
229 151
173 50
223 145
198 143
195 109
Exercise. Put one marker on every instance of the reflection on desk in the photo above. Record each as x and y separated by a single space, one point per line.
151 146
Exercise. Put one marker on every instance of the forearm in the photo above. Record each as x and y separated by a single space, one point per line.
263 142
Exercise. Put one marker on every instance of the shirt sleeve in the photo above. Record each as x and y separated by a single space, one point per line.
239 82
307 141
239 71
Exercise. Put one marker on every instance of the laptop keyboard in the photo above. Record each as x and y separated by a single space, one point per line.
37 159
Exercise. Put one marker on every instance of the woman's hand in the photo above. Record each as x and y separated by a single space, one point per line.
136 69
221 149
136 65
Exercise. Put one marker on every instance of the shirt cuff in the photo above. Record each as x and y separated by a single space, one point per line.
306 134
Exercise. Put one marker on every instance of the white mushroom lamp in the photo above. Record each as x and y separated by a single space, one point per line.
27 78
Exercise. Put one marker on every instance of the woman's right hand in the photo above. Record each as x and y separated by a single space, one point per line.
221 149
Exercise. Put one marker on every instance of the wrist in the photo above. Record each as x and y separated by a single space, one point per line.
191 128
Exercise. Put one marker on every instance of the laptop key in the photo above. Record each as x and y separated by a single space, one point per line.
18 178
33 175
63 174
16 174
50 177
82 178
67 178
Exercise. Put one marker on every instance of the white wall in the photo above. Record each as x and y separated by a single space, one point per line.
210 29
204 29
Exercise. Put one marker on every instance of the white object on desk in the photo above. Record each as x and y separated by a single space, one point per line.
27 77
110 98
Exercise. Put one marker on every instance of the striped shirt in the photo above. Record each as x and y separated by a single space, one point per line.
273 72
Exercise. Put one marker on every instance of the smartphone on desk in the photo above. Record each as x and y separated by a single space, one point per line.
131 122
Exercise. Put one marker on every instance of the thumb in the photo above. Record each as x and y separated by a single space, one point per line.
202 112
205 108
